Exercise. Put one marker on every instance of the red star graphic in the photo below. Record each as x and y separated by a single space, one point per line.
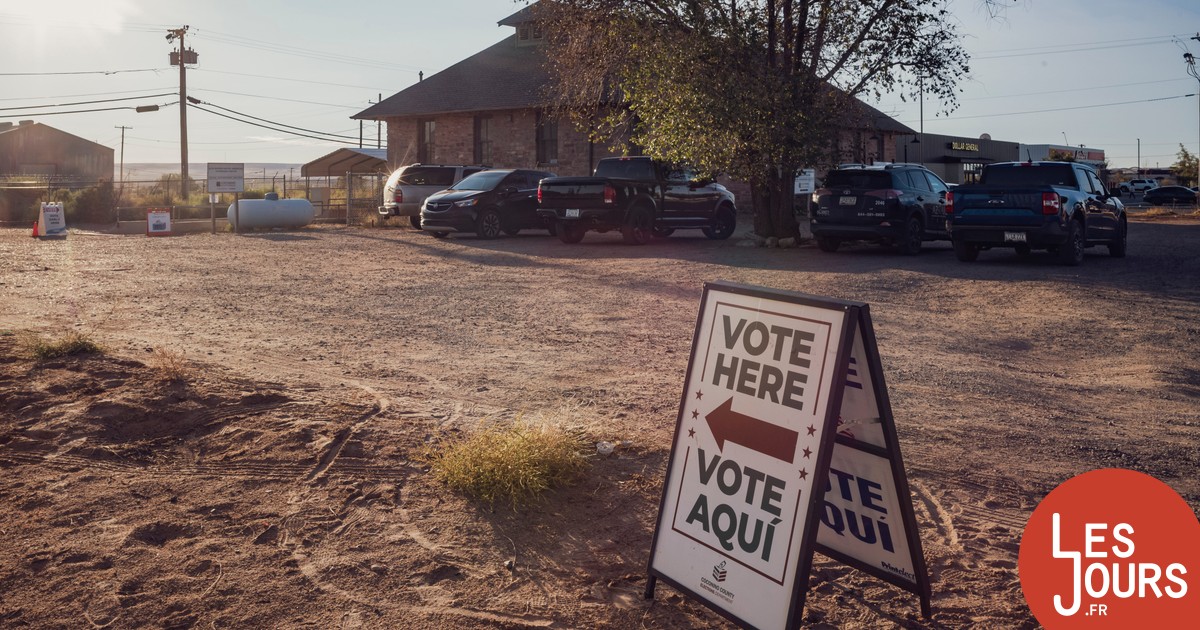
803 474
695 414
807 452
812 430
699 394
691 433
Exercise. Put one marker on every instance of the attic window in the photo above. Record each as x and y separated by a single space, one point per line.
537 30
523 32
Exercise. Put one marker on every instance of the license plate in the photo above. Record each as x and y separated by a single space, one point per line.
1014 237
572 213
848 201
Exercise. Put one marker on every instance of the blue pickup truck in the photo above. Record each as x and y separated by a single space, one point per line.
1062 207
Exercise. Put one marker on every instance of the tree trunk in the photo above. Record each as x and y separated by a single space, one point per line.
773 207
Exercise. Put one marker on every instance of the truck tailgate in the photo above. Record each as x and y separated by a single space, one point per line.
574 192
999 206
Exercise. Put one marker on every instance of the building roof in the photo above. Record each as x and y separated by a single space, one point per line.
346 160
520 17
503 76
30 126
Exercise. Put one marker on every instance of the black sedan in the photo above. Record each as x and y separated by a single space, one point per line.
1170 196
486 203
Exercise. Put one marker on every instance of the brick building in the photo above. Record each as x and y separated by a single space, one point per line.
486 109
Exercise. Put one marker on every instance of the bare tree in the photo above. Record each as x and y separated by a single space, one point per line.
754 88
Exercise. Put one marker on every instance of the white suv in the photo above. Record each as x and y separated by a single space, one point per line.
1138 185
407 188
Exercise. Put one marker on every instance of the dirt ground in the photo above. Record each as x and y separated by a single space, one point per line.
283 484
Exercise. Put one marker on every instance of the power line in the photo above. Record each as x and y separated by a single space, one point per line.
1050 47
26 98
1084 89
79 111
270 128
46 74
278 98
232 111
258 44
107 100
1064 109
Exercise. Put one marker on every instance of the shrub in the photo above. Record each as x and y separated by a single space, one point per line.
171 366
512 464
73 342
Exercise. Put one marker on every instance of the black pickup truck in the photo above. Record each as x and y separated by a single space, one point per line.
641 197
1062 207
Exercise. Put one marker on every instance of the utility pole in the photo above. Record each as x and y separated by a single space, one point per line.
183 57
122 128
1191 69
379 128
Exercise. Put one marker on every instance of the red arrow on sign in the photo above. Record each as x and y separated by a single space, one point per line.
766 438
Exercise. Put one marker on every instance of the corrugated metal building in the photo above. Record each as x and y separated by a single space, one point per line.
31 148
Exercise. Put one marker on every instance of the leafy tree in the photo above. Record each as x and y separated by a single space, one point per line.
754 88
1185 166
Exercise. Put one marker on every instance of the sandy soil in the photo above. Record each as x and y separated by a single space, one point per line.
283 485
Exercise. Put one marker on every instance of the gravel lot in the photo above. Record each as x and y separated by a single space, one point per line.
283 486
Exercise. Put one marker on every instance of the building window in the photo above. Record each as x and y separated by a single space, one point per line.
426 143
547 140
483 139
537 30
523 32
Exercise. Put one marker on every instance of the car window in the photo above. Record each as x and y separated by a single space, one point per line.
467 172
870 180
428 176
1020 175
484 180
1097 187
678 173
936 183
918 181
626 169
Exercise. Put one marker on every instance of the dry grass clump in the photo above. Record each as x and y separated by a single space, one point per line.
171 365
71 343
512 464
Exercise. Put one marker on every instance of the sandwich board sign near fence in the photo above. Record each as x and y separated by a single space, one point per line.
750 480
158 222
52 220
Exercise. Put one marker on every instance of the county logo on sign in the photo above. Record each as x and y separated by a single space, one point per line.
1112 548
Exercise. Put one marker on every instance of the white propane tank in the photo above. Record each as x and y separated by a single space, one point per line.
271 213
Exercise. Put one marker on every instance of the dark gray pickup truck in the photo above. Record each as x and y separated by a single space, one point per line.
1062 207
641 197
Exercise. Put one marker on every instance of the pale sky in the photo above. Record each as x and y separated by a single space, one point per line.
1102 73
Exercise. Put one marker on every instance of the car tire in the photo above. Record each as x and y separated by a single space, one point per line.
1070 253
1116 248
415 222
552 228
439 234
828 244
638 227
966 252
723 225
570 233
914 235
487 224
662 232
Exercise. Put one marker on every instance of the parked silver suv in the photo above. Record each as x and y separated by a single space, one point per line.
1138 185
407 188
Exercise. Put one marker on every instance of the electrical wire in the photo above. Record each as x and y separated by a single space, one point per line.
273 122
46 74
26 98
194 106
79 111
1064 109
258 44
263 76
107 100
277 98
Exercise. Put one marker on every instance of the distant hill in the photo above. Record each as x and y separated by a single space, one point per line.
152 171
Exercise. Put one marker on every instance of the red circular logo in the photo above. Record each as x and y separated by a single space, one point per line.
1112 548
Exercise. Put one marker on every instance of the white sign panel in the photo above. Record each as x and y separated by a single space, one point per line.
739 494
226 177
158 222
52 220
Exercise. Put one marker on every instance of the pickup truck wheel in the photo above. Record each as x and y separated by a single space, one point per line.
723 225
910 242
487 224
1070 253
415 222
966 252
570 233
662 232
552 228
638 226
440 234
1116 248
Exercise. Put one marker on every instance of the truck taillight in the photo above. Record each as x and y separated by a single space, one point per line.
1050 203
398 196
610 194
950 202
539 194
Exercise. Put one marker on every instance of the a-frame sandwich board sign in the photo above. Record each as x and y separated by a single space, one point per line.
750 463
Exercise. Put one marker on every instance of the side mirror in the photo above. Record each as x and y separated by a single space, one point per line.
509 190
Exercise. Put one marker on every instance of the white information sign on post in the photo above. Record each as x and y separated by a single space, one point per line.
784 445
737 519
226 177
